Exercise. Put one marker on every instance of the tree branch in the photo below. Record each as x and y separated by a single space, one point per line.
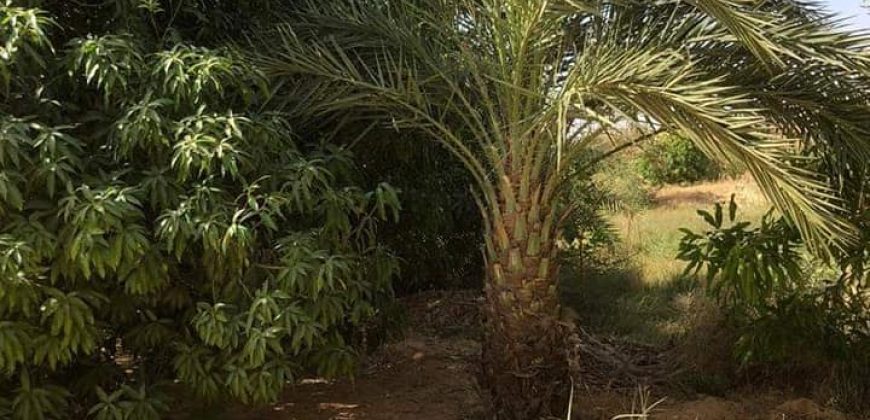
624 146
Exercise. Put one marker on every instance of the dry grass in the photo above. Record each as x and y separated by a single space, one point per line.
644 298
652 237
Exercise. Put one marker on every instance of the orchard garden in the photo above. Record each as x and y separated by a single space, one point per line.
433 209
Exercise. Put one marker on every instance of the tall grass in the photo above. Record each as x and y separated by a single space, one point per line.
651 237
641 294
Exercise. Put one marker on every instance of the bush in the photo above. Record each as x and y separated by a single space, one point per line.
589 238
159 222
744 267
790 313
674 159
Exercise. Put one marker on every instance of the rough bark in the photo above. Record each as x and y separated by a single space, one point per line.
524 353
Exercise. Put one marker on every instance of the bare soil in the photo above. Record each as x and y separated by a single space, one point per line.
418 378
431 374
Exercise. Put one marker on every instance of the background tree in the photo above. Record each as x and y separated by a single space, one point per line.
519 89
159 221
673 159
438 238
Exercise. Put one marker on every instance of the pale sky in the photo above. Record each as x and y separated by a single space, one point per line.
859 16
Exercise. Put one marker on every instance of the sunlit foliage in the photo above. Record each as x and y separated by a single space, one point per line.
159 221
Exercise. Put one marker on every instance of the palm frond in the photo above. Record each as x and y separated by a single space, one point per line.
503 83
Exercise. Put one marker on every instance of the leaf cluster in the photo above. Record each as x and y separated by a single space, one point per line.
742 264
160 221
779 301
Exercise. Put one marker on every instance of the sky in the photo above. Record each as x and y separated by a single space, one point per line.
860 16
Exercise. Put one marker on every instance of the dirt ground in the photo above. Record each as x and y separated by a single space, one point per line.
432 375
419 378
429 375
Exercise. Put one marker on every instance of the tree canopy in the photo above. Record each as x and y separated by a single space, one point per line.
160 221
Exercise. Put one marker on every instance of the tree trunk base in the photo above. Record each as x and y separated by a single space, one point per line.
527 369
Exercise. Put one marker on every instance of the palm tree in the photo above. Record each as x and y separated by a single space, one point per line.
520 90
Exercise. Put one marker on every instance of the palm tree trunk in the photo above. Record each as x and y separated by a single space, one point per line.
524 350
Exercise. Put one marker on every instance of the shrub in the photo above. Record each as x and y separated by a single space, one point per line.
159 222
744 267
623 187
788 313
673 159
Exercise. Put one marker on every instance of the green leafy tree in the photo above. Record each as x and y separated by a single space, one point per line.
520 89
159 221
673 159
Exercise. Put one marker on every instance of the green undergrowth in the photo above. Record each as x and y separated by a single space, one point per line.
616 301
640 291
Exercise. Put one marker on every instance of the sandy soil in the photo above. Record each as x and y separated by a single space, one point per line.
419 378
428 375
